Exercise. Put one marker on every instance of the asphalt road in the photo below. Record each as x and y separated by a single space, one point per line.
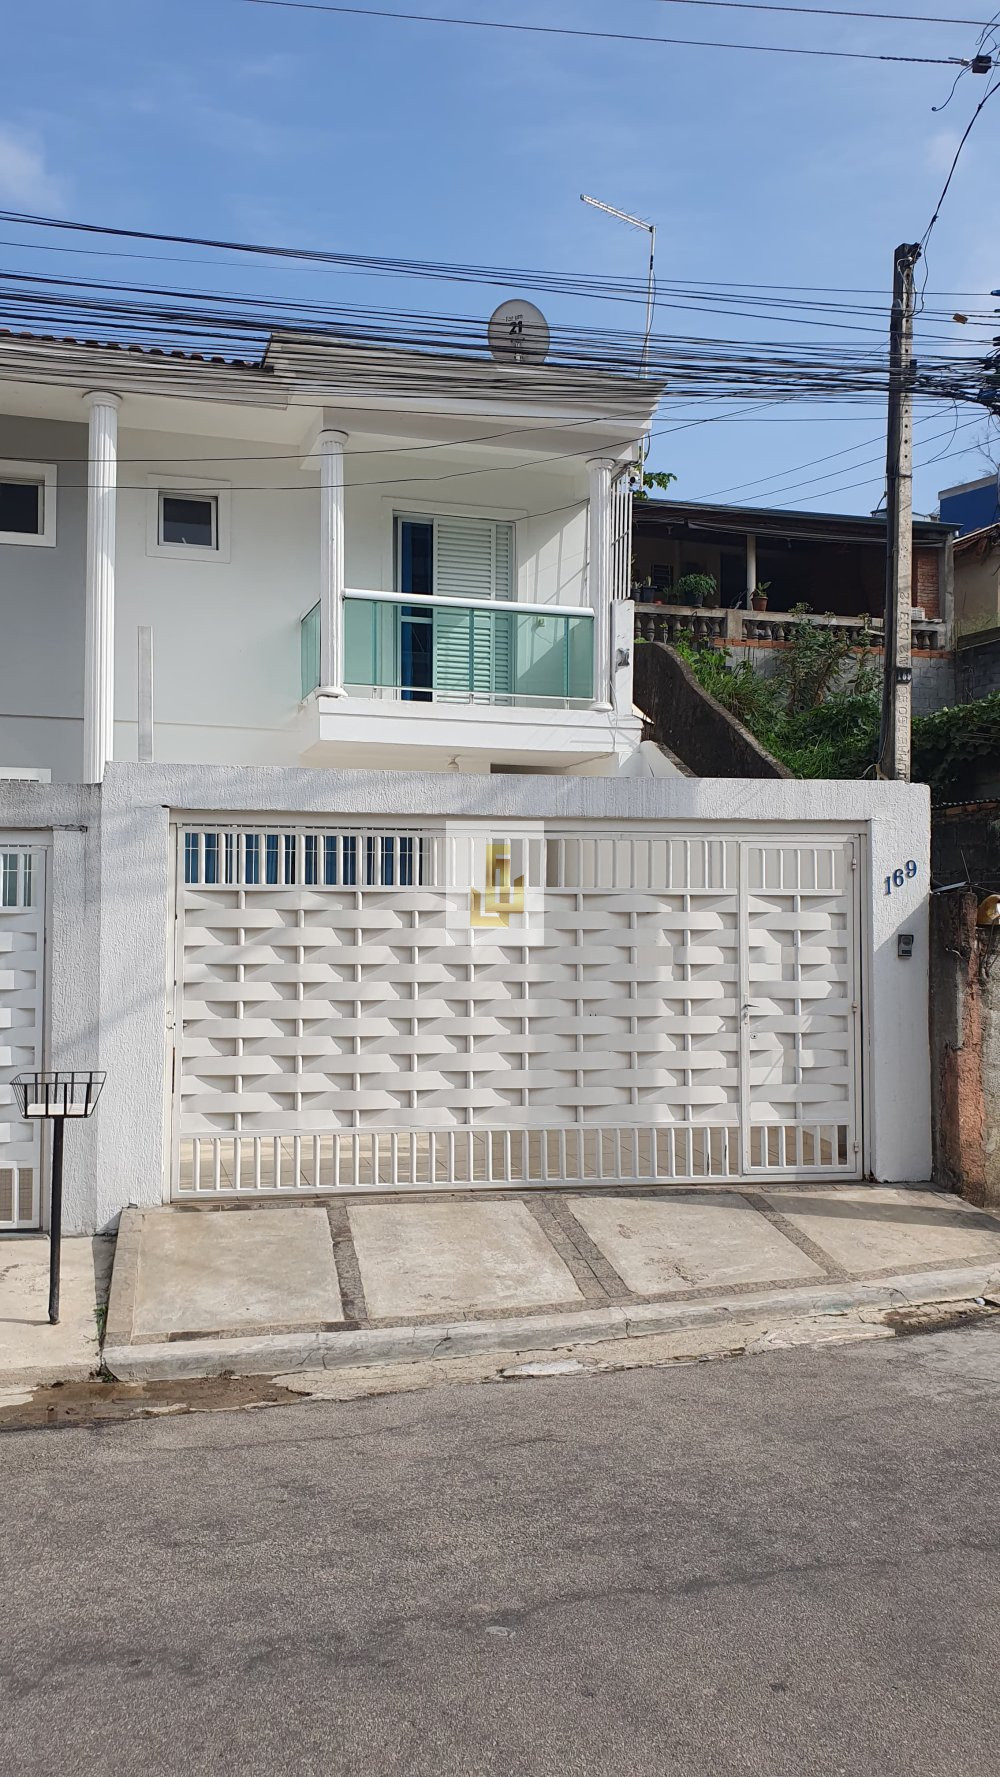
785 1564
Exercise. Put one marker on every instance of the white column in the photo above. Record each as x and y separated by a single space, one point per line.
751 568
99 646
600 471
330 446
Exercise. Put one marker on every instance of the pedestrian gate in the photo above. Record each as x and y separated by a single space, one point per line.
22 926
453 1006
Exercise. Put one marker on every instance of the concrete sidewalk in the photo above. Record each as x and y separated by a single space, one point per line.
275 1288
32 1352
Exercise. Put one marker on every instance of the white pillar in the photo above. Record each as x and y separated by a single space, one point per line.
330 446
99 647
751 568
600 471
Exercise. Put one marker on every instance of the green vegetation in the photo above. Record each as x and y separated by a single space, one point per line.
659 478
946 744
819 710
694 589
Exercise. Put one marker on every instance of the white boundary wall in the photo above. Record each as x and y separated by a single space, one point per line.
109 944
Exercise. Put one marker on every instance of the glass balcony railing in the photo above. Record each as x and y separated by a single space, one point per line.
457 650
309 650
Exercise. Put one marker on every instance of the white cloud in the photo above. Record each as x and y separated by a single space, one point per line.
939 150
25 180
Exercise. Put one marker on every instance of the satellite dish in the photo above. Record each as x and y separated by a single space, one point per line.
518 333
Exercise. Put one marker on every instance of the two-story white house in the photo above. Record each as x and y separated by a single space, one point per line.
329 556
328 831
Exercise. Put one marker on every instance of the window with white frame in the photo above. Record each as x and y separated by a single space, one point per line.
188 520
27 503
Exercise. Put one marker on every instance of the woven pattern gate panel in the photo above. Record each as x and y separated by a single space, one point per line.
802 1019
22 912
355 1011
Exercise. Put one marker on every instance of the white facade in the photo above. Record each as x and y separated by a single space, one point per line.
378 595
306 482
111 954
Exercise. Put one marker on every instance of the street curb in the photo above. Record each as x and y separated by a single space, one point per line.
274 1353
33 1376
124 1279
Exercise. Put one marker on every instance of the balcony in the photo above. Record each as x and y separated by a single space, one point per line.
463 683
452 650
753 629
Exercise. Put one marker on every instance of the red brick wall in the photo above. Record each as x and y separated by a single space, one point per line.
926 581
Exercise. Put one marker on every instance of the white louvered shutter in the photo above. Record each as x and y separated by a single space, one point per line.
474 558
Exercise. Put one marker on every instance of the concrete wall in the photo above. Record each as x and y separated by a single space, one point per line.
978 669
965 845
111 923
965 1048
42 608
681 714
933 674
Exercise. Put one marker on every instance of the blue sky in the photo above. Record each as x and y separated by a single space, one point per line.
233 120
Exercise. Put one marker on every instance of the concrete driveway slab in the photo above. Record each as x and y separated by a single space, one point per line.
455 1258
868 1228
661 1244
234 1270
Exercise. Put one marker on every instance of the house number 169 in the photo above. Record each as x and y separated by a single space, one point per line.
900 874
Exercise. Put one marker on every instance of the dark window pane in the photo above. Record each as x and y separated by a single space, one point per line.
416 557
188 521
21 508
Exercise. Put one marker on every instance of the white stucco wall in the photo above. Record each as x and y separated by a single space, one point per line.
226 627
109 965
42 610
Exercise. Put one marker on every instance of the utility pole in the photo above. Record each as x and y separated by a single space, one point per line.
897 676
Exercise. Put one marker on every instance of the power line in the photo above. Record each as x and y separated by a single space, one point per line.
579 284
434 18
831 12
869 480
813 481
988 94
739 487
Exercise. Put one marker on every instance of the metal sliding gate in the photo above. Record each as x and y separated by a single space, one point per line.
452 1006
22 946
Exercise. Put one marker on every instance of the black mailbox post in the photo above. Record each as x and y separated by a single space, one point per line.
56 1098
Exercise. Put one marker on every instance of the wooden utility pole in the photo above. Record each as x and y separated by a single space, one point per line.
897 678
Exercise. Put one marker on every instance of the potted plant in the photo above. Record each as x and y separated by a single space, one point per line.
696 589
758 597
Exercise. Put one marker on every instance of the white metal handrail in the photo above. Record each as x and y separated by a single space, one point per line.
518 606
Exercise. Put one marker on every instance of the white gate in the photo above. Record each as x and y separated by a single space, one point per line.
353 1011
22 927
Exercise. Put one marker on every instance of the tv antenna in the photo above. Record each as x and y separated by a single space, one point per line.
650 228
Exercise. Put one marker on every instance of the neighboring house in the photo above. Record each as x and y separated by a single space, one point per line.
344 857
833 563
977 625
977 581
973 505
